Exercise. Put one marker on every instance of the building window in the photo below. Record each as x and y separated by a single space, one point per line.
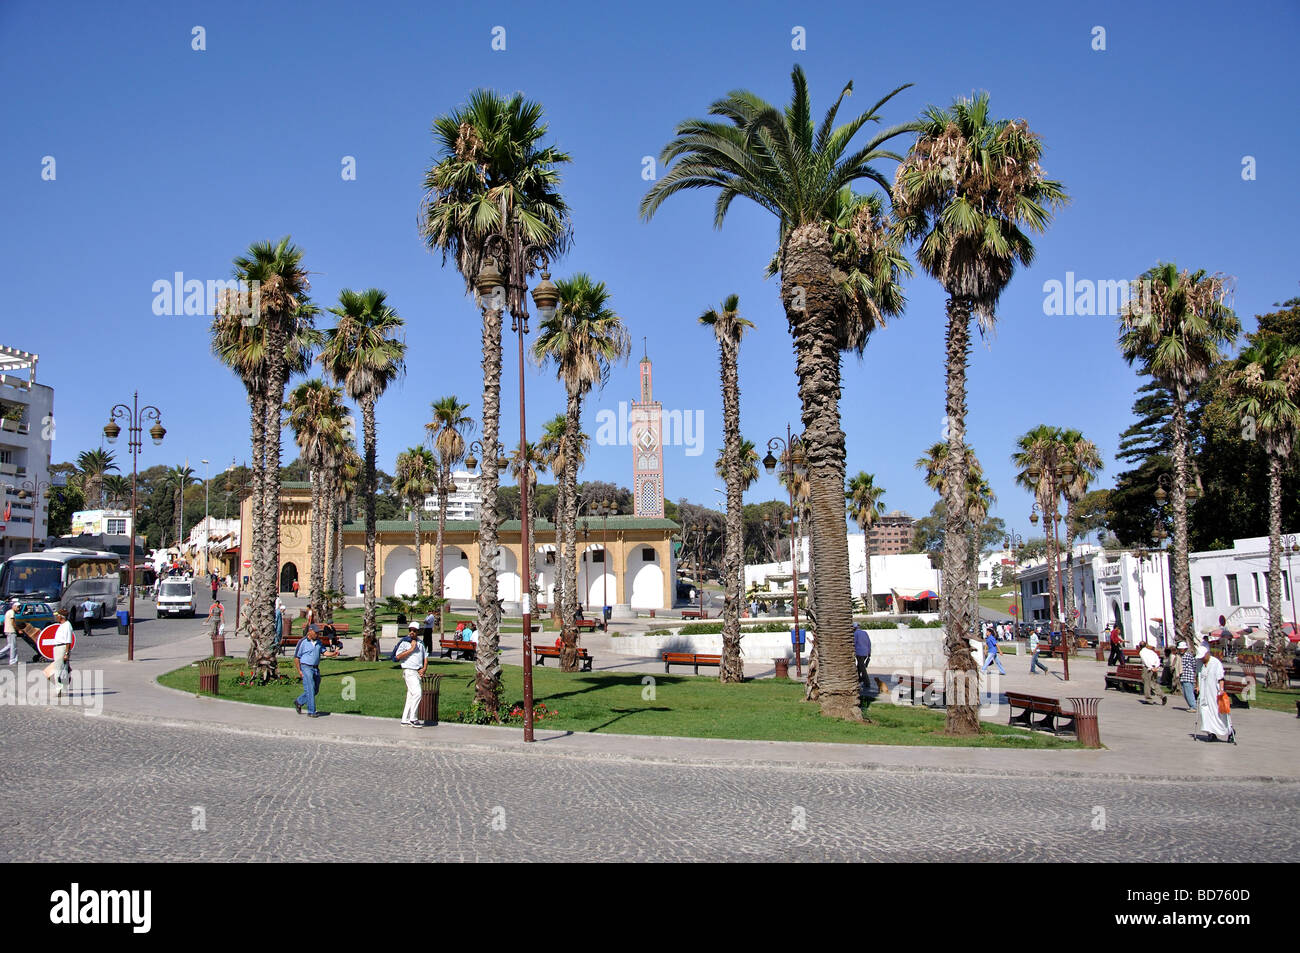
116 527
598 556
1286 588
1207 590
1254 578
648 554
1234 599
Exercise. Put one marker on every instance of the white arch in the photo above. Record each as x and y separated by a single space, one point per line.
592 580
644 579
507 575
457 582
354 570
399 573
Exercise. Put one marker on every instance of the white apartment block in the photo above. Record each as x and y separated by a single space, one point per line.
26 429
1233 583
463 502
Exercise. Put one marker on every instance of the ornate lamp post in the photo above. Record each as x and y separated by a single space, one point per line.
586 564
792 452
1158 536
1291 546
34 488
135 416
604 510
1012 542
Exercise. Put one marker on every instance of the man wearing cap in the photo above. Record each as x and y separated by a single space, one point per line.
1217 725
1151 674
306 659
1187 675
62 650
11 631
414 660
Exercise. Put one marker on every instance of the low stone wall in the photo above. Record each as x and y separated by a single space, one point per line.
891 649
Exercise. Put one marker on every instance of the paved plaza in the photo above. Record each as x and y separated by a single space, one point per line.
162 775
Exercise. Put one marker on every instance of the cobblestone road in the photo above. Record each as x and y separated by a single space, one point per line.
89 789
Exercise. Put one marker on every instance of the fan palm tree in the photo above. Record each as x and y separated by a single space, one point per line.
178 480
339 453
347 479
447 431
529 457
415 479
865 508
728 328
582 340
491 175
1039 454
264 351
970 187
979 500
117 490
1265 390
316 415
94 466
839 264
1175 328
1086 463
362 355
551 449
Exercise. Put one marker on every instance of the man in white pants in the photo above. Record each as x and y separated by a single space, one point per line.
11 631
62 650
414 660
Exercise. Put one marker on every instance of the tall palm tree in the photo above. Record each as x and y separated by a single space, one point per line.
447 432
339 451
347 481
1175 328
363 356
1086 463
316 415
551 449
1040 452
415 479
94 466
529 457
865 508
491 174
582 340
728 328
264 351
801 172
969 188
1265 388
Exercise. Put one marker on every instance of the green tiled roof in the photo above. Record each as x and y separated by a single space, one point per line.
513 526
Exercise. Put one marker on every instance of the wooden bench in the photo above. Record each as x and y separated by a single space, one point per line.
586 625
1125 674
449 648
290 641
695 613
1049 708
694 659
918 686
543 652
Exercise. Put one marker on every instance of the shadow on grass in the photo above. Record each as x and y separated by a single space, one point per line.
620 714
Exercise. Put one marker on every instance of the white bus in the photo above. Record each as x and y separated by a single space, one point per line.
65 577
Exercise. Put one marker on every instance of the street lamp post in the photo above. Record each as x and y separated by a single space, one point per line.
1158 535
790 447
135 416
33 488
1291 546
586 563
1012 541
605 510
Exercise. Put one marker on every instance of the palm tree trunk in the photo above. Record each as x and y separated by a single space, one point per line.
870 599
569 608
369 637
259 639
561 493
442 532
1181 578
810 296
331 523
732 668
419 558
1277 640
316 595
962 716
277 375
1069 636
487 682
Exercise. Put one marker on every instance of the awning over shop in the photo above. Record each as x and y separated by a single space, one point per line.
916 595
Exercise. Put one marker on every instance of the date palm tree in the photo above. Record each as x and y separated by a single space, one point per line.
551 449
447 431
94 466
415 479
728 328
969 189
1265 395
339 455
1086 463
865 508
1175 327
362 354
582 340
1039 454
801 172
491 173
316 415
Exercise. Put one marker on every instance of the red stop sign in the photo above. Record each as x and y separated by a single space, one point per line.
45 641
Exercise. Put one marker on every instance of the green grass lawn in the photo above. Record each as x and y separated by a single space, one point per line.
1275 700
682 706
997 600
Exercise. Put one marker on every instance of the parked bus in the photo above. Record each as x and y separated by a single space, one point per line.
65 577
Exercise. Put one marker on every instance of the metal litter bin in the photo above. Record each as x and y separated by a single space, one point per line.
1086 728
209 672
428 710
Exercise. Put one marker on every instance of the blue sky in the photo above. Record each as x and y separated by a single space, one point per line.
170 159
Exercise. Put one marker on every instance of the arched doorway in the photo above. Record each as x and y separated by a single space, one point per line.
458 581
644 579
354 570
288 576
596 579
400 578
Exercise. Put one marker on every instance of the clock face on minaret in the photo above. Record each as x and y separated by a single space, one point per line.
647 450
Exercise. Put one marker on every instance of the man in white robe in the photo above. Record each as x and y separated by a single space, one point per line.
1210 684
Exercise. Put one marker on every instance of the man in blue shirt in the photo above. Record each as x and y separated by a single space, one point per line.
306 659
862 649
993 655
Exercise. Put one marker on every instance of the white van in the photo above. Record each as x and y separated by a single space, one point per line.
175 596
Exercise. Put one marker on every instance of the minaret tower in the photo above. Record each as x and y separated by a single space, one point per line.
647 449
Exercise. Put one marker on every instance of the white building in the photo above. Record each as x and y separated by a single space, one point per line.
101 522
1110 588
897 579
1233 583
990 568
26 433
212 546
463 502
